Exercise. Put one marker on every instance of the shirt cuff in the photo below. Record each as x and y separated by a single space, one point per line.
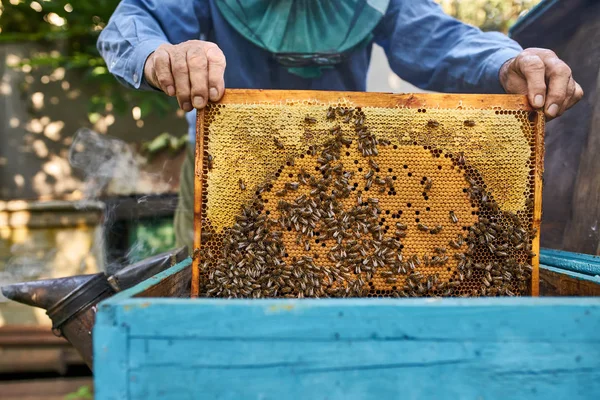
491 74
137 61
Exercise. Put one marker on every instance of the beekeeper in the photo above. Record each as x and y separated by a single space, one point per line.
191 49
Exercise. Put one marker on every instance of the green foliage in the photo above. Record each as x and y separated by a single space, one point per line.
489 15
83 393
77 25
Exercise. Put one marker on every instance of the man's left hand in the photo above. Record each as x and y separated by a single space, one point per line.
544 78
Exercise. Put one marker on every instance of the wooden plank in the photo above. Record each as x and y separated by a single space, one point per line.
370 99
582 232
560 282
575 262
178 284
30 336
43 389
198 188
537 203
531 348
111 343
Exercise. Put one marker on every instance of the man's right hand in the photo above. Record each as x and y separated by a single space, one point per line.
193 71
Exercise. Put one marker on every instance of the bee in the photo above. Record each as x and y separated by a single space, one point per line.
440 250
347 118
461 158
309 119
400 226
369 174
292 185
384 142
209 161
433 123
330 113
454 244
205 236
241 184
469 123
437 229
428 184
422 227
335 129
529 203
196 253
453 217
280 193
501 254
373 164
278 143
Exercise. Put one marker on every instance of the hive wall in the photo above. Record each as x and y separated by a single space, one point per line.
303 194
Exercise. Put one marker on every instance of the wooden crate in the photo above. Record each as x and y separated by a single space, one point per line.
486 348
483 154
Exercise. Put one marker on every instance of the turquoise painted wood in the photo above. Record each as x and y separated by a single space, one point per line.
524 348
576 262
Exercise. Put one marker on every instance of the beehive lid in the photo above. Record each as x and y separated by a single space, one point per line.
343 194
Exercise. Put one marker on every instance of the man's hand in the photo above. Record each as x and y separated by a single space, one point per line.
544 78
192 71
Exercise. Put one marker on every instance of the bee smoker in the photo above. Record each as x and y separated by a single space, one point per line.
70 302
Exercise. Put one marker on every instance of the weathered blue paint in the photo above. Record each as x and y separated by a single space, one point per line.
529 348
572 274
566 260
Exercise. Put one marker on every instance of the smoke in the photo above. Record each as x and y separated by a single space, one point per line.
113 172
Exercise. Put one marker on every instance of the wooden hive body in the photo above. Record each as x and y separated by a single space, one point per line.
338 194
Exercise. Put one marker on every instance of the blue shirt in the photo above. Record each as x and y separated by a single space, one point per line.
424 46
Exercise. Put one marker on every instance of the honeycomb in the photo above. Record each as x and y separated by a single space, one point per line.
322 198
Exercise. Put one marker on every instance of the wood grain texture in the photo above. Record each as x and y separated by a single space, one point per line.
537 202
569 261
576 40
364 99
370 99
198 187
559 282
492 348
582 232
42 389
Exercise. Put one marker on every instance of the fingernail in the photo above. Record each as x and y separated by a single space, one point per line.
170 90
214 94
553 110
198 102
538 101
186 106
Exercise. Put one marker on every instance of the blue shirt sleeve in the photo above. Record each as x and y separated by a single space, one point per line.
434 51
138 27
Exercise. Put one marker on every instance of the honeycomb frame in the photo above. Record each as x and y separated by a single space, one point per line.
275 137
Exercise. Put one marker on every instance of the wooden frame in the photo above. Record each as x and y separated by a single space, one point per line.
358 99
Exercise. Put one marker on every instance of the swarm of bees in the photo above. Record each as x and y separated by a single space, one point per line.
252 260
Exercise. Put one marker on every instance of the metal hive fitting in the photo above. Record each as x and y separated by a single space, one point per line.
316 194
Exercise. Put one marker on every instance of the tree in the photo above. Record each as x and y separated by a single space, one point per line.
489 15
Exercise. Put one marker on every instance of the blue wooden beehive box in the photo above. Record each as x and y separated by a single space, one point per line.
148 347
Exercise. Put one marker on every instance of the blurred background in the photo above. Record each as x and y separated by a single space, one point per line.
89 170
